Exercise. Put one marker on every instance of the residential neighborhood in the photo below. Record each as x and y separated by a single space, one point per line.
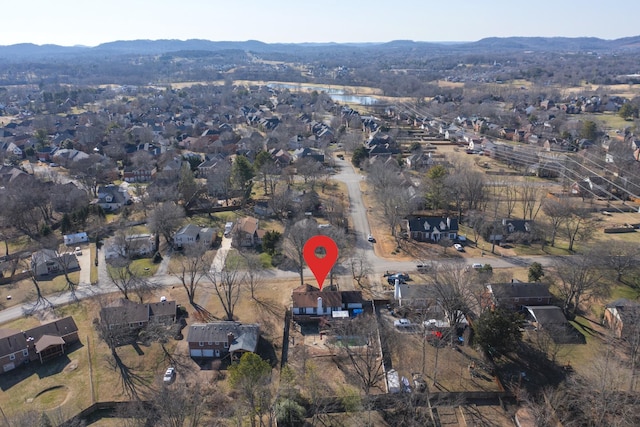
153 249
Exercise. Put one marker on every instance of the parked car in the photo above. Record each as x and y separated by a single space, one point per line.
458 247
422 267
169 375
370 238
402 323
477 265
78 251
401 277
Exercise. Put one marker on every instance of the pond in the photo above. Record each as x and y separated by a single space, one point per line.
337 95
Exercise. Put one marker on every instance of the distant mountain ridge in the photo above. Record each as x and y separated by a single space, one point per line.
151 47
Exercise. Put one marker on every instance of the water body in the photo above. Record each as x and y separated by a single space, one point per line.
337 95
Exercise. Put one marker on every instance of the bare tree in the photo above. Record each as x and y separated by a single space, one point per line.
360 269
530 195
295 239
226 284
165 220
619 256
580 278
578 226
182 405
254 275
358 340
557 212
123 277
190 268
458 292
219 181
94 171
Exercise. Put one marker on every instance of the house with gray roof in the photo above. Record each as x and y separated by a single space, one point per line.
126 314
222 339
47 262
191 234
112 197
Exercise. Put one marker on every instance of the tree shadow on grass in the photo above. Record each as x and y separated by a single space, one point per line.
202 314
132 383
270 307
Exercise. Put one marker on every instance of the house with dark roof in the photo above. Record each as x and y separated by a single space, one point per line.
511 229
126 314
40 343
516 295
310 304
306 152
623 317
222 339
431 228
551 319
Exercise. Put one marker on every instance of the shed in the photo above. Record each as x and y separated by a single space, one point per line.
73 239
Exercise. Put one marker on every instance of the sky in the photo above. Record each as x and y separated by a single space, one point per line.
89 23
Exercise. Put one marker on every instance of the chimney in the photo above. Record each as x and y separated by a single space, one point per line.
319 305
230 338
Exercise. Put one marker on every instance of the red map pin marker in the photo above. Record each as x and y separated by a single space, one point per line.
320 267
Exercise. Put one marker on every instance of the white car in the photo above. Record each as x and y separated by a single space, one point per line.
458 247
78 251
370 238
477 265
169 375
402 323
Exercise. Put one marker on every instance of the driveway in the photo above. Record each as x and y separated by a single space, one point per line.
84 261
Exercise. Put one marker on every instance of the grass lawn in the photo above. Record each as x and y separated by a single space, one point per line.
24 290
15 245
581 356
144 267
61 386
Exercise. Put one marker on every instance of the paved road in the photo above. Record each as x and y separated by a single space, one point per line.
364 249
357 210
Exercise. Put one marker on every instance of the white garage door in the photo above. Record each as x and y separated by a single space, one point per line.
9 366
207 353
196 353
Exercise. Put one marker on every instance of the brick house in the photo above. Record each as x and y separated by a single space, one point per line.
219 339
40 343
622 316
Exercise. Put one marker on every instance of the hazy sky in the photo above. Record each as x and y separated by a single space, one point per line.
71 22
